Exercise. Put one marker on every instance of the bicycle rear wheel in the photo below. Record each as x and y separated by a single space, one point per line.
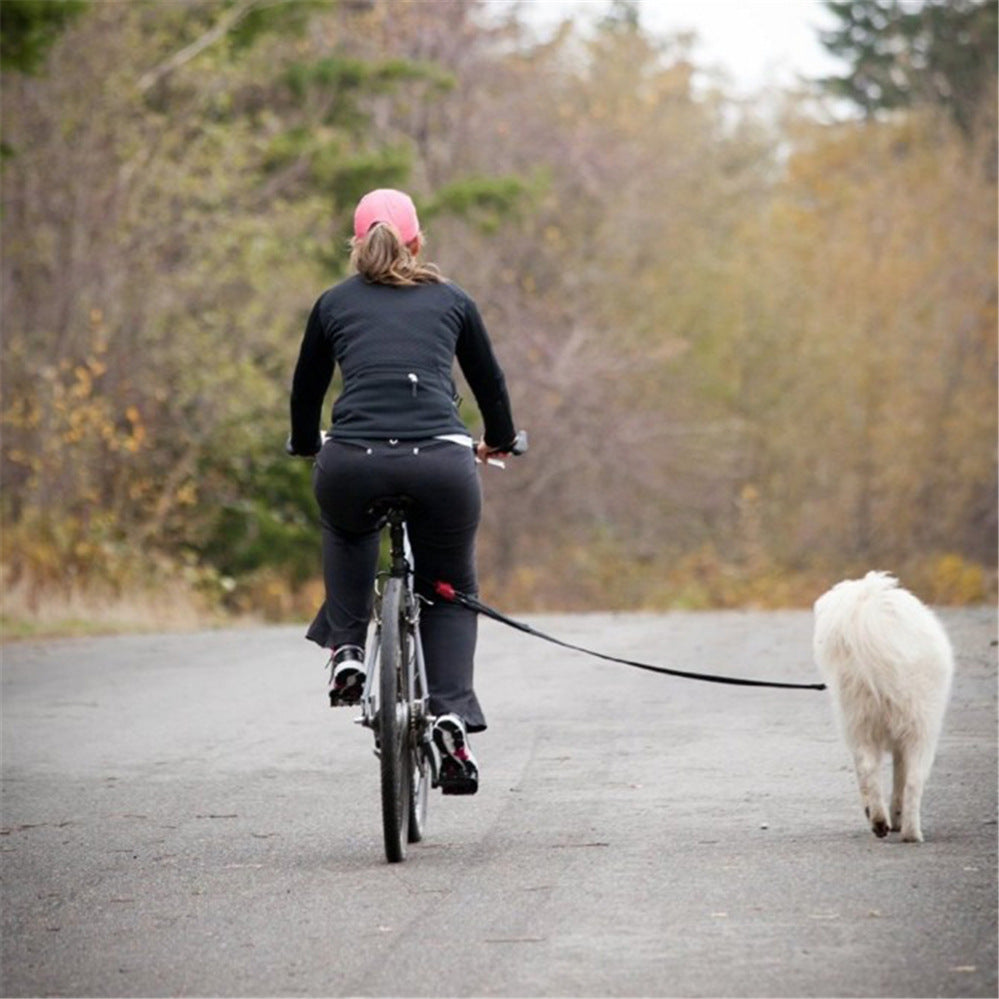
394 725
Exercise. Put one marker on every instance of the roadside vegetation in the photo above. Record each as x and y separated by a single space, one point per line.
753 341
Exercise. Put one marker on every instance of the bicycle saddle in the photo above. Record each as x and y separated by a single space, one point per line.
385 505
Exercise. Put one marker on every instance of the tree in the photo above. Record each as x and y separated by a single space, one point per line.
867 364
738 346
941 53
28 29
184 196
152 303
599 292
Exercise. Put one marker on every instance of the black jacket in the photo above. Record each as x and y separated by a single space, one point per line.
396 348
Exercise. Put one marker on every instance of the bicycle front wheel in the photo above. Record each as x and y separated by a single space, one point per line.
394 724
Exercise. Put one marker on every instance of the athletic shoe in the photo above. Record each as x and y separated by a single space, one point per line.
459 771
346 676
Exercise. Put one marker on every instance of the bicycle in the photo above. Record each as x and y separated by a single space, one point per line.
395 698
395 695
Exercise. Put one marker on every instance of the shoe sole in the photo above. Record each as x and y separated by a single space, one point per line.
347 693
456 780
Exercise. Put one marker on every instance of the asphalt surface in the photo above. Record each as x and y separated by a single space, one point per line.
183 816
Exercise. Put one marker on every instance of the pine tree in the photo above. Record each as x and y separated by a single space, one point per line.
941 53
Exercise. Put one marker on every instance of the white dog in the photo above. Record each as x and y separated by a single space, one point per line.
888 663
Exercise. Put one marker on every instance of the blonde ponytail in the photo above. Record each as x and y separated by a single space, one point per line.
383 258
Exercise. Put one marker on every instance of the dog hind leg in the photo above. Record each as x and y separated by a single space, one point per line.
867 761
917 769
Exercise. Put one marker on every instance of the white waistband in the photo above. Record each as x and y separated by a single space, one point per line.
457 439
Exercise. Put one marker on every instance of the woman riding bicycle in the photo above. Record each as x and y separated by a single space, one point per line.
395 328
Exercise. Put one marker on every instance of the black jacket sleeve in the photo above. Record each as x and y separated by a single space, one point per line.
313 373
485 378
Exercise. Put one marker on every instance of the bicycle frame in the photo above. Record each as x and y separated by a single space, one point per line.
401 567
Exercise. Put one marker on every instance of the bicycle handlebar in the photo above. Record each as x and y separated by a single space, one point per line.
517 447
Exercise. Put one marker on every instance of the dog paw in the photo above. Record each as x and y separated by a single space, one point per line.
912 836
880 828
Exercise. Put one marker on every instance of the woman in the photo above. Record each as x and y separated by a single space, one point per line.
395 328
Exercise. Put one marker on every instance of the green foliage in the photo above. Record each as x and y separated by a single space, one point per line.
270 522
346 76
325 139
348 177
28 29
488 201
260 18
941 53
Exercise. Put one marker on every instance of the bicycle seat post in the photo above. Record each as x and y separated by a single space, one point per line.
396 522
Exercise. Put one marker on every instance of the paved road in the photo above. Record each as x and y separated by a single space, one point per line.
183 816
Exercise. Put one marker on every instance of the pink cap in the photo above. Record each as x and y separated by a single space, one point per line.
387 205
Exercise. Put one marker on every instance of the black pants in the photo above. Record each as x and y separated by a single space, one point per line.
441 479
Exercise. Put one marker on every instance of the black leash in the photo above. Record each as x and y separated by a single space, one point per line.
447 592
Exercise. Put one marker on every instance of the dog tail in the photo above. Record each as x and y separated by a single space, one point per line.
889 634
856 631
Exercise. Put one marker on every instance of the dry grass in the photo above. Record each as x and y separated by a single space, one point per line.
28 611
580 581
593 579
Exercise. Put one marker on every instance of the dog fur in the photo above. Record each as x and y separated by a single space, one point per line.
889 665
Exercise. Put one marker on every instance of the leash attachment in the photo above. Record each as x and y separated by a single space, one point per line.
447 592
